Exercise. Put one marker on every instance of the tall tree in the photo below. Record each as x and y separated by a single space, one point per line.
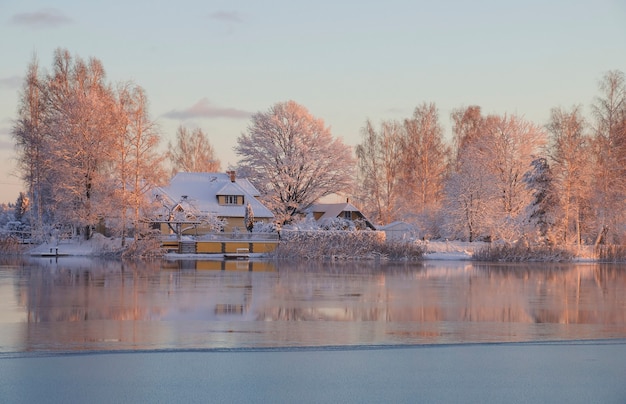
293 159
425 162
610 155
470 198
30 135
192 152
80 114
379 159
466 127
138 164
542 210
569 151
507 150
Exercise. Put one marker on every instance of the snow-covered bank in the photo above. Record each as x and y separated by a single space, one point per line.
99 245
451 250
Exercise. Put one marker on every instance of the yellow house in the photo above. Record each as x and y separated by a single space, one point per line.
200 203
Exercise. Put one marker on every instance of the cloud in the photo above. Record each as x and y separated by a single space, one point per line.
46 18
204 109
227 16
10 83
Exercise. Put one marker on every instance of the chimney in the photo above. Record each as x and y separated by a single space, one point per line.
232 174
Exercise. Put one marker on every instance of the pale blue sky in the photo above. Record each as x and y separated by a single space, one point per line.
211 64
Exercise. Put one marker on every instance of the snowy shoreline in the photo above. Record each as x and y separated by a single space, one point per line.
435 250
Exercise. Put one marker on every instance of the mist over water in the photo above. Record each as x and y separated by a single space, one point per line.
85 305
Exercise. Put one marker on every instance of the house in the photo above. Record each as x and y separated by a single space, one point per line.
329 211
399 230
198 203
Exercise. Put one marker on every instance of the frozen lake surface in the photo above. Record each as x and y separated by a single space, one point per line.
348 332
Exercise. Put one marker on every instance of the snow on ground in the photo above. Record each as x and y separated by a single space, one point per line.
78 246
451 250
435 250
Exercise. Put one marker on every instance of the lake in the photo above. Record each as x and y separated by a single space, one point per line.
82 330
73 304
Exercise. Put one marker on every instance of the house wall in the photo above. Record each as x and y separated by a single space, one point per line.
233 223
221 199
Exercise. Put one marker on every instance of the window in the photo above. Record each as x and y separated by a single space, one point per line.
230 200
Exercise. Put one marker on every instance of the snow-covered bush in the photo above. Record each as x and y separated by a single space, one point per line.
324 244
522 252
337 223
263 227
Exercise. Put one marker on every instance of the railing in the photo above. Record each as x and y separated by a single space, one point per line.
235 236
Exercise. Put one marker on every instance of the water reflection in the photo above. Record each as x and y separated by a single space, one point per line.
83 304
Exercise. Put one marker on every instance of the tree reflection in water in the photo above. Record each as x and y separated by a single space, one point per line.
84 304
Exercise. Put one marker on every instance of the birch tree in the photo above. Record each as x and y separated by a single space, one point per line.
30 135
467 125
379 163
569 150
293 159
610 156
80 113
192 152
425 161
470 199
507 149
138 165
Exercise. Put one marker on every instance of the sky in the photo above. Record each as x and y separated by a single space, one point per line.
212 64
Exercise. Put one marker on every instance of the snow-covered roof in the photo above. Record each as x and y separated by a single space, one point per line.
200 191
332 210
232 188
398 225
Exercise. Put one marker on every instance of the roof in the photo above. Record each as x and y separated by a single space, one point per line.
332 210
201 189
397 226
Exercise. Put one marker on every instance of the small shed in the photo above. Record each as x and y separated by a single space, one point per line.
400 230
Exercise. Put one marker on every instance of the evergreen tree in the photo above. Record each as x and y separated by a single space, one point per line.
541 210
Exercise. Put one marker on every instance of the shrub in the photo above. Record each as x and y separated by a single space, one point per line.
344 245
10 244
520 252
611 253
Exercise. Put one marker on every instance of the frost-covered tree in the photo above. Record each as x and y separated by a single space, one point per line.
293 159
466 127
542 210
493 160
569 153
379 163
506 149
87 153
30 135
425 160
192 152
248 218
21 207
610 156
470 199
138 164
7 212
80 115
